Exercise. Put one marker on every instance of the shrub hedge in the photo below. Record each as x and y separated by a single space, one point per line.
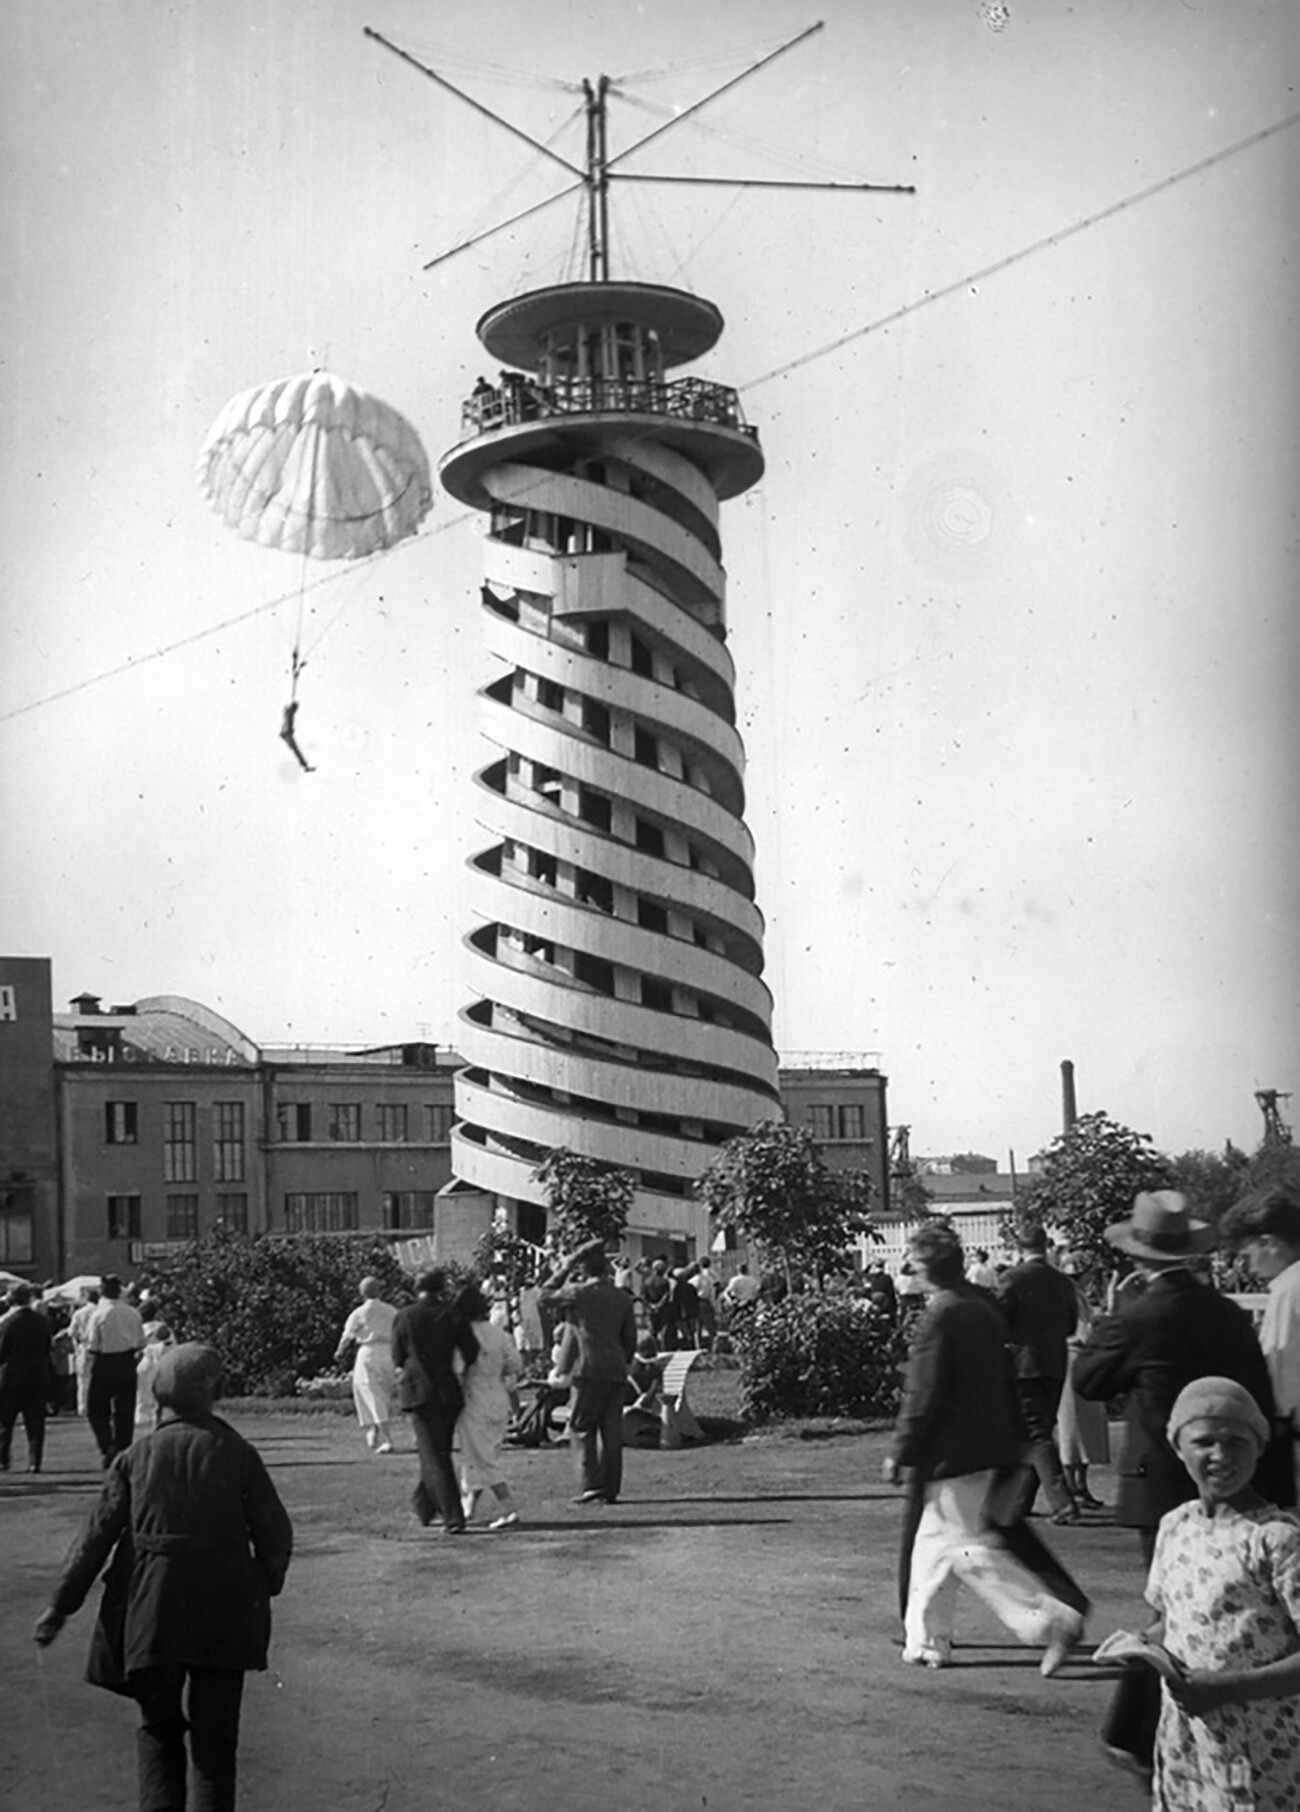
272 1304
817 1354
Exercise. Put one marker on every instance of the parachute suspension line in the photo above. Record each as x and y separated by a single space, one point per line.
298 661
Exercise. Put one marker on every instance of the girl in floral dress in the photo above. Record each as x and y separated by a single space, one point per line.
1225 1579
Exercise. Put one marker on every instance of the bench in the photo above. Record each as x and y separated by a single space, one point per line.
678 1423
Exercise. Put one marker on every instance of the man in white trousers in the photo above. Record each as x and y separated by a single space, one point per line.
959 1437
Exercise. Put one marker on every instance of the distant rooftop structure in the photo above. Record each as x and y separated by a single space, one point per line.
830 1060
162 1028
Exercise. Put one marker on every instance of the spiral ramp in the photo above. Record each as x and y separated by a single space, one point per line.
617 948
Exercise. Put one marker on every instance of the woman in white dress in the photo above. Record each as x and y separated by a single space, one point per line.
1082 1431
370 1328
491 1396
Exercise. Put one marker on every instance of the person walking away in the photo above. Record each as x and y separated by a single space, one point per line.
1042 1310
114 1340
1267 1224
426 1335
740 1292
982 1272
1225 1580
200 1544
491 1387
79 1334
958 1432
532 1335
686 1306
1159 1340
706 1289
603 1323
1082 1428
369 1328
26 1374
158 1341
657 1295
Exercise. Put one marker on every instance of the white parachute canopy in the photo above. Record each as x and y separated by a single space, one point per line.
313 466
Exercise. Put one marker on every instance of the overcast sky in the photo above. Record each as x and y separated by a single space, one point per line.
1014 606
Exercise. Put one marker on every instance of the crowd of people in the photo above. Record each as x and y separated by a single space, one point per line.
98 1358
1000 1385
1209 1711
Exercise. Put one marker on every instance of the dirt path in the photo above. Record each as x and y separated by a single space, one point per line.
724 1638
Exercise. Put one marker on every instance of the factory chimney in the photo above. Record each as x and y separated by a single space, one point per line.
1069 1110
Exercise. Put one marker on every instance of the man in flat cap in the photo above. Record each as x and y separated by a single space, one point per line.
200 1544
604 1322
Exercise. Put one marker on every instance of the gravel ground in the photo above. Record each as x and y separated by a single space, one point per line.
724 1637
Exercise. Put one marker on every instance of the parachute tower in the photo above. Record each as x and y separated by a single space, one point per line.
618 949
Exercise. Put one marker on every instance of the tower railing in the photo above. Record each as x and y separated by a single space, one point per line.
519 399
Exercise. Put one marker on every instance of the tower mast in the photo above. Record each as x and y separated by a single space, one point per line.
597 180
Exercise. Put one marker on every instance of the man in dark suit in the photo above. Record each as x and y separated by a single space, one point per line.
1177 1330
604 1321
1042 1311
25 1373
425 1336
958 1433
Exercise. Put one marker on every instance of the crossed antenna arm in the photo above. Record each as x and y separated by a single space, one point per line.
605 172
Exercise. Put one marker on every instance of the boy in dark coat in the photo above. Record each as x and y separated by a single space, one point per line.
200 1544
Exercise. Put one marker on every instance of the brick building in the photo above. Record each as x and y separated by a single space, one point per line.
126 1129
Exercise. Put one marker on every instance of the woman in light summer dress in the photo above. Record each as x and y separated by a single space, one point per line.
370 1328
1226 1580
491 1394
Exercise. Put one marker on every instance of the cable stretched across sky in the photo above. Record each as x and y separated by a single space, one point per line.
1046 243
1027 251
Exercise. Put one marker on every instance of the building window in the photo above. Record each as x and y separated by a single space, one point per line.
124 1217
321 1211
228 1141
595 809
407 1208
852 1121
345 1122
180 1142
232 1213
182 1217
649 837
821 1122
15 1231
293 1121
438 1118
119 1123
392 1122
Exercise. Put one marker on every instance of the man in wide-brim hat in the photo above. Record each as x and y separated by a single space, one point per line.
1155 1344
1160 1231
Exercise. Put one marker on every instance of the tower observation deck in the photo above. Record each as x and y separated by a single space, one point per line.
617 948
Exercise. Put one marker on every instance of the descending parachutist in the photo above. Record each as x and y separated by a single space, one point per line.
287 736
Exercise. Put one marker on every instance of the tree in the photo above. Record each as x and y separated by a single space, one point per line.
588 1200
1089 1178
772 1185
909 1196
501 1248
1211 1181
